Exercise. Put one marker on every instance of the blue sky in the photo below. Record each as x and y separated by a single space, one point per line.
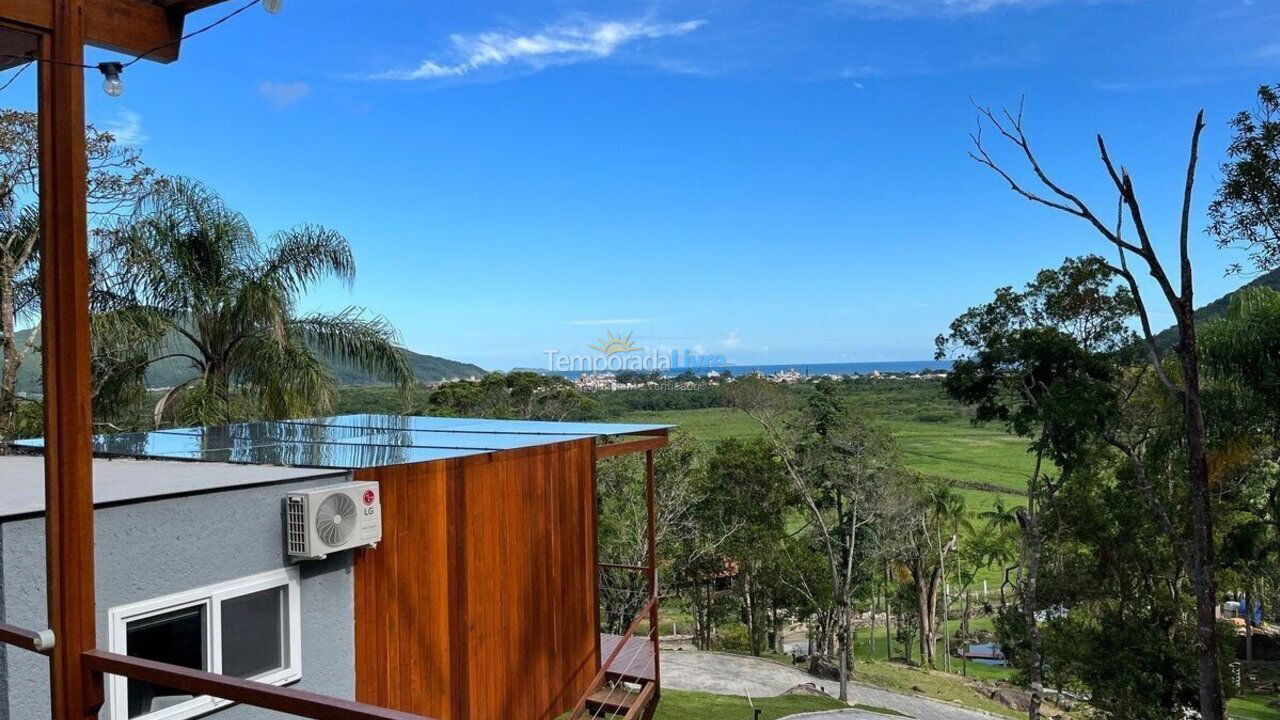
774 181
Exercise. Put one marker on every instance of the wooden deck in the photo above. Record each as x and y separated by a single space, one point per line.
635 662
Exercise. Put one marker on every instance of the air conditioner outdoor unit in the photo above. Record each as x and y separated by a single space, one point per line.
332 518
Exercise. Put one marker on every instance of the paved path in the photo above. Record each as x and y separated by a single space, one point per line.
743 675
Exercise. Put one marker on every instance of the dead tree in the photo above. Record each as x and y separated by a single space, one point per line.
1178 295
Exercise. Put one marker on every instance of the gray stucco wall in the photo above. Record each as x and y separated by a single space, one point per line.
155 548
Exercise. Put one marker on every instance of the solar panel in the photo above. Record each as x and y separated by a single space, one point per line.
350 441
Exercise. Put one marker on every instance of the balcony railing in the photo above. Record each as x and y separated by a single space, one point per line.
299 703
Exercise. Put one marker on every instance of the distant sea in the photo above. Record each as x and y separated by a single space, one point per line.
860 368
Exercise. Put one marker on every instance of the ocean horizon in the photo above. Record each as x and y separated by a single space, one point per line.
807 369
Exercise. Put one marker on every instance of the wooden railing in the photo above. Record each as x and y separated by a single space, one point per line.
299 703
26 639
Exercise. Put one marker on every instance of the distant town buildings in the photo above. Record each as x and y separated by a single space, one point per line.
791 376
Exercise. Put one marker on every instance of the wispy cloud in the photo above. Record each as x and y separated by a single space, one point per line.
918 8
617 321
1142 85
126 128
559 44
732 340
280 95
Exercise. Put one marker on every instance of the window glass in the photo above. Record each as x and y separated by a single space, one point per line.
176 637
253 633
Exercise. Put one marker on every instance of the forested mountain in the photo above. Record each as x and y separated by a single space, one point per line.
1216 309
172 371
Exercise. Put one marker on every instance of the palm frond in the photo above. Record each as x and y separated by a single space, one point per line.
288 379
306 254
366 342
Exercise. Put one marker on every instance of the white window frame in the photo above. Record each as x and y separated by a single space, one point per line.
211 598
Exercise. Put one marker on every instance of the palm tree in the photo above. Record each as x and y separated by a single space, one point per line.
226 302
1002 550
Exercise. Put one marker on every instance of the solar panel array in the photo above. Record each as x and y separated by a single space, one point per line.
350 441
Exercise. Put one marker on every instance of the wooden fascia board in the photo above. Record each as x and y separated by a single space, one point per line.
130 27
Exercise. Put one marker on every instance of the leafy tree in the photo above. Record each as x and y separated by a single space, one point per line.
840 468
197 271
117 177
747 490
519 394
1245 213
1041 362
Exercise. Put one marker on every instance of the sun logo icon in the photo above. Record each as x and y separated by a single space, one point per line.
613 344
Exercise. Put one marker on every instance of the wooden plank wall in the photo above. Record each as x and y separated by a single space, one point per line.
401 619
480 602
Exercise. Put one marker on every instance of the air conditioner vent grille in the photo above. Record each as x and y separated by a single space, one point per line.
296 516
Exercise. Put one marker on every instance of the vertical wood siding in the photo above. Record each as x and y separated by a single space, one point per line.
480 601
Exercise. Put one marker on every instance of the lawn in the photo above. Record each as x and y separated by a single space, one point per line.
937 685
1253 707
688 705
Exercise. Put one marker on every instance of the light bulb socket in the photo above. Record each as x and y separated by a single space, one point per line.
110 69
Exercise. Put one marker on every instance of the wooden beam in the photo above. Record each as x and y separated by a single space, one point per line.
130 27
271 697
15 45
632 446
68 416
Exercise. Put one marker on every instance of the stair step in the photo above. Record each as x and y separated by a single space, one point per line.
628 677
617 700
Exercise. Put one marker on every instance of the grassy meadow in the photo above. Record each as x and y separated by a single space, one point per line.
934 435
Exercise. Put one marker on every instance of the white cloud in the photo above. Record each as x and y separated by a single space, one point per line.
559 44
280 95
732 340
126 128
915 8
617 321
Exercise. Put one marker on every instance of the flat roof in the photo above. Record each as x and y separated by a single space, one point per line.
122 481
350 442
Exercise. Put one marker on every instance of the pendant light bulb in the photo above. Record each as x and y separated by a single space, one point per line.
112 84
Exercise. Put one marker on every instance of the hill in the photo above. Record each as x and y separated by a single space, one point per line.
1216 309
172 371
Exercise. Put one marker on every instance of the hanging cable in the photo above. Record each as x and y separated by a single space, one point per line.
15 76
111 71
194 33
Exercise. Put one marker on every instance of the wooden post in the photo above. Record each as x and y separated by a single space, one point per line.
650 501
68 415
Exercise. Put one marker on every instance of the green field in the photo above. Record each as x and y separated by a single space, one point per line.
984 461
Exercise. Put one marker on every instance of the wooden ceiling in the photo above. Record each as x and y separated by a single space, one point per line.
130 27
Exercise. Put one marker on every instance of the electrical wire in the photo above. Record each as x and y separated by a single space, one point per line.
31 58
194 33
13 78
